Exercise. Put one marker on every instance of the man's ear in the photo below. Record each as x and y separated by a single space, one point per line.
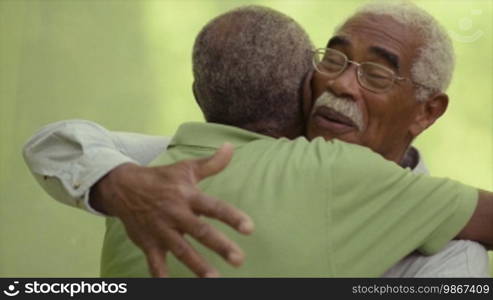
428 112
307 100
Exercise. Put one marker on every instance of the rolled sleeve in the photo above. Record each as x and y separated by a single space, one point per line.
67 158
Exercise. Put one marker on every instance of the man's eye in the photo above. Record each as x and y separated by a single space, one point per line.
377 76
375 72
333 61
377 79
331 65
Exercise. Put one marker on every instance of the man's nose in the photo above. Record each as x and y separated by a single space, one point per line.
346 84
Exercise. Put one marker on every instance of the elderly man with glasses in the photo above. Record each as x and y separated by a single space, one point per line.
390 91
377 84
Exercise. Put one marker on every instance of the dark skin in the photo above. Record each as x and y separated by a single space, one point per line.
394 118
167 196
159 205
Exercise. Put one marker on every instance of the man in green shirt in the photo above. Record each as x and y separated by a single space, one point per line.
321 208
373 104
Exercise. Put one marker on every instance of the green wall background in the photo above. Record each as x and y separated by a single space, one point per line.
126 65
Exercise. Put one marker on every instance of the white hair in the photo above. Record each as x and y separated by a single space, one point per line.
434 64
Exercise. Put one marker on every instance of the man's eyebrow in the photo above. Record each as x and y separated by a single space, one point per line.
390 57
338 41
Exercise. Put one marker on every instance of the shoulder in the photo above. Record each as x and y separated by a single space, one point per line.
334 155
459 258
318 149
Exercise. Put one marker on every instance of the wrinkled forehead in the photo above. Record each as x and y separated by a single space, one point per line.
381 35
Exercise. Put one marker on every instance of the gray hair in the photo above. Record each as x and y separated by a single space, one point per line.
434 65
249 65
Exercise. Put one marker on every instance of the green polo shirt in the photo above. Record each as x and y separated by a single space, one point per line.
320 208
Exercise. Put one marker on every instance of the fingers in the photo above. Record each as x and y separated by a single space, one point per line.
214 239
184 252
156 260
212 165
223 211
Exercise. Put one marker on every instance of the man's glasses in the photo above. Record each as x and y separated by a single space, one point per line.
371 76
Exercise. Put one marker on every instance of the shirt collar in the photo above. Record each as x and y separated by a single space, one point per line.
413 161
213 135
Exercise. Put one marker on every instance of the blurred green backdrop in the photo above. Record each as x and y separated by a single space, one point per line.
126 65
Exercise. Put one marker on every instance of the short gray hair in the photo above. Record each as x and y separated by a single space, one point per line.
249 65
434 65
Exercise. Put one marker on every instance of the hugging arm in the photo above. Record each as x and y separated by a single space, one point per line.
82 164
480 226
68 157
404 211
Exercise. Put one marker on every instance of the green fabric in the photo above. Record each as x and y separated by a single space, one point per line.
320 208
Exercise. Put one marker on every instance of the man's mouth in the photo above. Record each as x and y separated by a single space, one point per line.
329 119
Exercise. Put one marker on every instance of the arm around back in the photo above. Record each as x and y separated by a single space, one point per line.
68 157
480 226
387 212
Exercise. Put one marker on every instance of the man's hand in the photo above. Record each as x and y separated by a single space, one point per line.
158 205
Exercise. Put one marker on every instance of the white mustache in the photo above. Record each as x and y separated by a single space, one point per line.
343 106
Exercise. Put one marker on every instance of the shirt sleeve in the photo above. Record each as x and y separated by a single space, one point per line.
459 258
393 211
68 157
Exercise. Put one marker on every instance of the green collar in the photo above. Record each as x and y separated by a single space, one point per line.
212 135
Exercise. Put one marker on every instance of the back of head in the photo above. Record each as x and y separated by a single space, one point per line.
249 65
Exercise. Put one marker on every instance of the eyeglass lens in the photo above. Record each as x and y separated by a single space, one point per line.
372 76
